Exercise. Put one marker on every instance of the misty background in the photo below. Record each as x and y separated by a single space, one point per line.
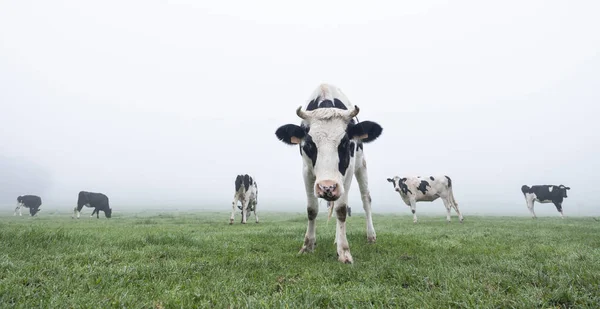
160 105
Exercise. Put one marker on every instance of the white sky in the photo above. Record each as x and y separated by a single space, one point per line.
161 104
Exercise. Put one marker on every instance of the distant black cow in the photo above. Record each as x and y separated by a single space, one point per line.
33 202
98 201
545 194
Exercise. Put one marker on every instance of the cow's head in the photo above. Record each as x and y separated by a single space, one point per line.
34 210
19 199
399 184
563 189
108 212
328 138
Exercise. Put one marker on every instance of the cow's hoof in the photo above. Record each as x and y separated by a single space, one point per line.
345 257
309 245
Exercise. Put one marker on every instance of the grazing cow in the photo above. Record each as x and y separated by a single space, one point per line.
246 191
331 146
417 189
545 194
33 202
98 201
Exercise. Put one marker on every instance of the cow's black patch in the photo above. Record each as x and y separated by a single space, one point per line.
344 154
423 186
326 104
360 145
239 180
310 149
339 104
341 212
431 177
449 181
314 104
352 148
247 181
403 186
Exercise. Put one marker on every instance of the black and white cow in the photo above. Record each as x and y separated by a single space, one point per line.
246 191
545 194
331 146
98 201
417 189
33 202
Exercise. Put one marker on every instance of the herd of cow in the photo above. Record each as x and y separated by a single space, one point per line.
330 140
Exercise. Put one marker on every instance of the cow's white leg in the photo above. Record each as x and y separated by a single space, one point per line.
244 210
20 210
413 208
233 204
530 203
448 206
17 208
455 206
255 215
363 185
312 209
343 248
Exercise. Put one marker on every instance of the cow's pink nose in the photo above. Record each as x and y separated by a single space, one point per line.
328 190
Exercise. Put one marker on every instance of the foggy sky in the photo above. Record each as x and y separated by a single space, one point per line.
162 104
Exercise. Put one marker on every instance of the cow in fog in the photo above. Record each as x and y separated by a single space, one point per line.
246 191
545 194
429 189
98 201
33 202
331 142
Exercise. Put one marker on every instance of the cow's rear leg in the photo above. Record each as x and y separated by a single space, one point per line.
232 217
559 208
455 206
448 206
255 215
363 185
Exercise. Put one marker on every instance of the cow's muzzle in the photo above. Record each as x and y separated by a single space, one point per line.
328 190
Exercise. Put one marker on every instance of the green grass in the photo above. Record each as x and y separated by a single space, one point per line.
197 260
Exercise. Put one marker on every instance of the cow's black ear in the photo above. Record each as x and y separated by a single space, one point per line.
390 180
366 131
290 134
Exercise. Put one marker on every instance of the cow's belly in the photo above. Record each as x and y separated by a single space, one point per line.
543 201
428 198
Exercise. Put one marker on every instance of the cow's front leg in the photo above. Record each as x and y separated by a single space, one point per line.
559 208
363 186
530 203
343 248
413 208
312 209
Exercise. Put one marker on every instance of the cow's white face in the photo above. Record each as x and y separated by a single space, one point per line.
327 139
399 185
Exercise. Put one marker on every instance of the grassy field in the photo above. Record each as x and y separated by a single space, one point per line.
197 260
